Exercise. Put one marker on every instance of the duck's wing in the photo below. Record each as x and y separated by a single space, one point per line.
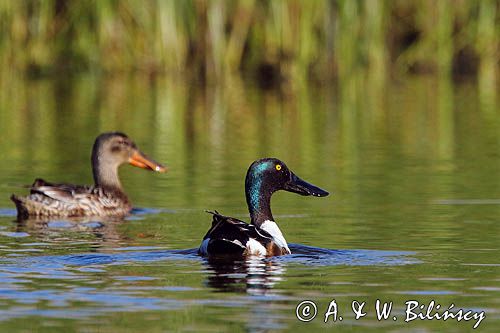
230 236
63 192
49 199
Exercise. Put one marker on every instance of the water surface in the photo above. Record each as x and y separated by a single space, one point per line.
414 214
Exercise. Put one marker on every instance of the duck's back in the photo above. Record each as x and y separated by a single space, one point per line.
230 236
67 200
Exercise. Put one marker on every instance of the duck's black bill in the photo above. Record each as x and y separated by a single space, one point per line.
299 186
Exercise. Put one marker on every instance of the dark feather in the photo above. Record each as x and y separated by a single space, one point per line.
229 236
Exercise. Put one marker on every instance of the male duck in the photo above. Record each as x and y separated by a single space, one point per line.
105 198
230 236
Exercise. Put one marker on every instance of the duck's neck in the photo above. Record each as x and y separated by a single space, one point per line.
259 204
106 174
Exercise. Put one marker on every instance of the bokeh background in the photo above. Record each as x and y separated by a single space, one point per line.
268 40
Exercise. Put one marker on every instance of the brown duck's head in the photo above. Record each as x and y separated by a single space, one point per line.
113 149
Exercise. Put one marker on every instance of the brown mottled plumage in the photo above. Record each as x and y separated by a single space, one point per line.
105 198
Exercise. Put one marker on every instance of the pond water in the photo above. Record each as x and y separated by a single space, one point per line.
413 168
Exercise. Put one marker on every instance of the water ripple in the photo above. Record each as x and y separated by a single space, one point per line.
302 254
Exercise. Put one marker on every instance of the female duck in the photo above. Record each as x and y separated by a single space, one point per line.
105 198
230 236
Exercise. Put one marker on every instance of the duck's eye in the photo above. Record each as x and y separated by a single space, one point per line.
278 167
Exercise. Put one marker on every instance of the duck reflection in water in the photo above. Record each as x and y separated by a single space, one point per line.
102 232
253 275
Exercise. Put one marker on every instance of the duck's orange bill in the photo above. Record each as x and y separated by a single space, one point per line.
141 161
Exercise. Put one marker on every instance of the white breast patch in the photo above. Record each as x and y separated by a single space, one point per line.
272 228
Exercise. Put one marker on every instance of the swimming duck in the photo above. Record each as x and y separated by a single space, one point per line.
105 198
262 237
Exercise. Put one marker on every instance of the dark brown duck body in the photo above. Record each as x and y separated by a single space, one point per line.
105 198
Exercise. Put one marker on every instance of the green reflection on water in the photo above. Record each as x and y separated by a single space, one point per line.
412 165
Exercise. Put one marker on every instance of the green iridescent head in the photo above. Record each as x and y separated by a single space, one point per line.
268 175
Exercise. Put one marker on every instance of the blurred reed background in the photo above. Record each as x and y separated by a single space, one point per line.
271 41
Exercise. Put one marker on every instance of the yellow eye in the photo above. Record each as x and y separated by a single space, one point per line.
278 167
